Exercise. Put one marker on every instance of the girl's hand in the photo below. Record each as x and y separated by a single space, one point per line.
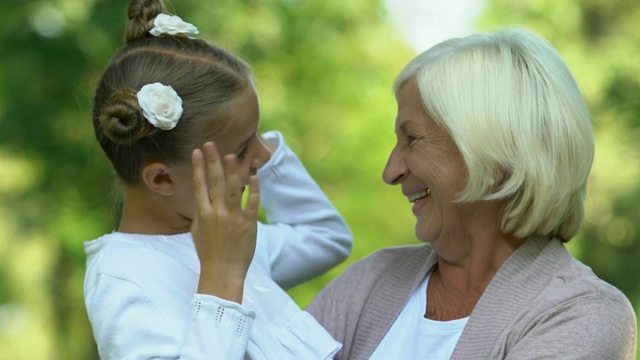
223 232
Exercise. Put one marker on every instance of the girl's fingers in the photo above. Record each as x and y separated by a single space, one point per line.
253 200
233 191
224 190
215 173
199 180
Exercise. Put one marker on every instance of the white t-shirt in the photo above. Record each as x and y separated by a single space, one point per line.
412 336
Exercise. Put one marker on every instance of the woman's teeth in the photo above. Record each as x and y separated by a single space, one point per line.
419 195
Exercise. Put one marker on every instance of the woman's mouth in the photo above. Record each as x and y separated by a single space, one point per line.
419 199
419 195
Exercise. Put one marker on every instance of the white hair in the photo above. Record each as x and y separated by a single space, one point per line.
513 108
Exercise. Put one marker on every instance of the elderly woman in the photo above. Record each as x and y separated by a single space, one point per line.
494 149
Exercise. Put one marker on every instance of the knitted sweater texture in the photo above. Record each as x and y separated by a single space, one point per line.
541 304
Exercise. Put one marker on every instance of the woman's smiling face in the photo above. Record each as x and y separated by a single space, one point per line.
428 165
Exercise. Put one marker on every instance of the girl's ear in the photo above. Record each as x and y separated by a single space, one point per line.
157 177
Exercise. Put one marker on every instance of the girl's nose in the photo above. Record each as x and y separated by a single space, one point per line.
263 152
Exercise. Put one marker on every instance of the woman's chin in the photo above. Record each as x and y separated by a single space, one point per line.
426 232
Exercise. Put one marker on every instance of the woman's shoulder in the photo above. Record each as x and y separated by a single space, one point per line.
373 266
568 279
572 306
391 254
339 306
576 283
577 298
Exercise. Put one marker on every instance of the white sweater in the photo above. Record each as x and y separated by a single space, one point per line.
140 290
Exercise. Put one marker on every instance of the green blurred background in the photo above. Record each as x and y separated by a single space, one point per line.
324 71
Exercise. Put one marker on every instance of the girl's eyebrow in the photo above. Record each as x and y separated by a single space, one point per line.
245 142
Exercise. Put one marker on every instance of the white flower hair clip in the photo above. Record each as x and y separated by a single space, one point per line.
171 25
160 105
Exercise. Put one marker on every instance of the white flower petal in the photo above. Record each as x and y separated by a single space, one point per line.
171 25
160 105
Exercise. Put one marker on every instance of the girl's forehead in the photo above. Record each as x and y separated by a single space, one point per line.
238 125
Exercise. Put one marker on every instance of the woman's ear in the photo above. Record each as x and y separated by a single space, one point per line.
500 178
157 177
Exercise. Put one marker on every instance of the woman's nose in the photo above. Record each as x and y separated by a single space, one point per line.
396 169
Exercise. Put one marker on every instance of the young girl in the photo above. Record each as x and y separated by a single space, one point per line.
179 278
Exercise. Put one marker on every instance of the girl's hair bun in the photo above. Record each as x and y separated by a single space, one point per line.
141 16
121 118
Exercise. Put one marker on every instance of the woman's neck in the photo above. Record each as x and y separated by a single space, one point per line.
458 282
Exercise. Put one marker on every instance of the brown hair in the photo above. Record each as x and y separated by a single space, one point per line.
206 77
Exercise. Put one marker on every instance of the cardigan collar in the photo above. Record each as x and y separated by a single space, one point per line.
388 298
519 280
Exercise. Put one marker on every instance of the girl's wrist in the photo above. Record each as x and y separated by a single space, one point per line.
229 287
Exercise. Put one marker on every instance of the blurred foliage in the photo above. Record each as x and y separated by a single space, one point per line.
324 71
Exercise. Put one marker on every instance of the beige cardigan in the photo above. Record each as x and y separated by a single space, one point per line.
542 304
